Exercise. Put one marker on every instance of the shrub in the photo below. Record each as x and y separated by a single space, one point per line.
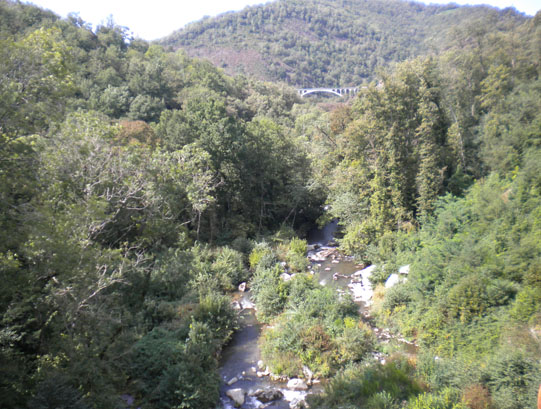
319 328
355 343
216 270
283 234
321 302
468 298
197 385
280 346
357 239
242 245
380 274
169 278
513 379
262 254
296 255
397 296
447 399
298 246
358 385
177 368
229 268
56 391
527 303
316 349
477 397
268 292
300 288
382 400
501 292
439 373
297 263
215 311
151 356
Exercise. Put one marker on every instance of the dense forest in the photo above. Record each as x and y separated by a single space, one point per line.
330 43
139 186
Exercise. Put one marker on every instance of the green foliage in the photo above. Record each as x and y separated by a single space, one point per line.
357 238
215 311
355 343
229 264
468 298
296 255
262 256
446 399
317 329
146 108
104 291
381 400
324 43
36 75
297 246
527 303
57 392
269 292
393 149
397 296
216 270
174 372
513 379
465 291
363 386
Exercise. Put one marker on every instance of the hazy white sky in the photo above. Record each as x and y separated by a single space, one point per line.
157 18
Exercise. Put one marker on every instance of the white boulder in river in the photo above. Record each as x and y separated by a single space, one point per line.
363 291
297 384
237 396
394 278
232 381
404 269
285 276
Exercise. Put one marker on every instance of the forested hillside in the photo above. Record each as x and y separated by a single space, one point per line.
139 186
131 180
437 168
328 43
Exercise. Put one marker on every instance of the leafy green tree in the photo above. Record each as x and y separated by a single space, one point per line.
395 148
36 75
115 101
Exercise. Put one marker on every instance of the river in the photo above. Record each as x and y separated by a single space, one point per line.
239 362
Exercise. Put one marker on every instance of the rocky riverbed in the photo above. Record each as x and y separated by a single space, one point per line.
247 382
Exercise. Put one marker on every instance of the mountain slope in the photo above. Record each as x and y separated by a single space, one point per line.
327 42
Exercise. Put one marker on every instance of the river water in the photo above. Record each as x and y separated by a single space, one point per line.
240 358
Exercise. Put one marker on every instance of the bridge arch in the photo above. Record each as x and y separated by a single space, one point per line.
321 90
340 92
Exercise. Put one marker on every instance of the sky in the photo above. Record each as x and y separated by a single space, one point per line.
154 19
